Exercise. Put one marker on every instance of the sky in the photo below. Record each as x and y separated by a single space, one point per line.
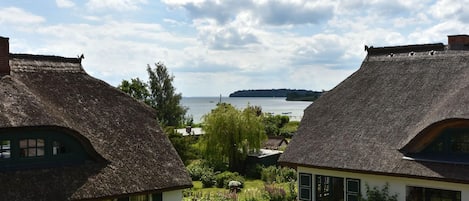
215 47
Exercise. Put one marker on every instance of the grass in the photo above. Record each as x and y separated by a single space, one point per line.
252 189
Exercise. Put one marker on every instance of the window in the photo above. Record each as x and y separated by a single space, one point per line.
329 188
305 187
452 140
5 149
58 148
31 147
353 189
430 194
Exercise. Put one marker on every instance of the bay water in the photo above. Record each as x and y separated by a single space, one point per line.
199 106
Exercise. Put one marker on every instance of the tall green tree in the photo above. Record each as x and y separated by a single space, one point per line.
159 93
164 97
230 134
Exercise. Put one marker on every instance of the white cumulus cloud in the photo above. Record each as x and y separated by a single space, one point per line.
64 3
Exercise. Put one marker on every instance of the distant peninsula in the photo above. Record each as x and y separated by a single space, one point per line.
289 94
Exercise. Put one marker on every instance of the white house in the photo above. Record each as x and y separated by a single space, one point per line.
401 119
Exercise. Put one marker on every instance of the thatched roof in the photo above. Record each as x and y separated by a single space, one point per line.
136 156
364 123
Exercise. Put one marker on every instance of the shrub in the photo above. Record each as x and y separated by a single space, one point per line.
224 178
254 172
275 193
375 194
208 179
198 168
280 175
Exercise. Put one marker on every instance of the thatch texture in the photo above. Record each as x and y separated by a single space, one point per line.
364 122
56 91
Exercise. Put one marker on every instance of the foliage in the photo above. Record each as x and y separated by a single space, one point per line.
273 123
136 88
254 195
197 169
159 93
182 145
254 172
275 193
289 129
230 134
376 194
224 178
273 174
166 100
207 179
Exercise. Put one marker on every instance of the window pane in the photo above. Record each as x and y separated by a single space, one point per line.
5 151
40 142
352 198
40 151
353 185
31 142
305 180
23 143
305 193
31 152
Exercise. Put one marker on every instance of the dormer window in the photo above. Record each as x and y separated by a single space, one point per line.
451 141
37 147
441 142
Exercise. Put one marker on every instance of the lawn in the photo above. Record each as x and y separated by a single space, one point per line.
253 191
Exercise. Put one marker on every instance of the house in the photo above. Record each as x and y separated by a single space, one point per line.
190 131
65 135
401 119
275 143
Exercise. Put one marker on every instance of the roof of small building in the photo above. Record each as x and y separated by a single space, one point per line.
274 142
137 157
363 124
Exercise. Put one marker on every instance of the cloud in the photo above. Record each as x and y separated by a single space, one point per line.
119 5
447 9
275 12
17 16
64 3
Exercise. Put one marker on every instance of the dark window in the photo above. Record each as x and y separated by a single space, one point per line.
329 188
452 140
58 148
430 194
305 187
353 189
5 149
157 197
31 147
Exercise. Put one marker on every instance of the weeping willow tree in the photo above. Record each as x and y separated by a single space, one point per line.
230 134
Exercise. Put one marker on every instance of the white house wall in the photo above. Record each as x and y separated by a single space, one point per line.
172 195
396 184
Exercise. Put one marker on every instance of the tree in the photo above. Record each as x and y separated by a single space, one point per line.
159 93
136 88
230 134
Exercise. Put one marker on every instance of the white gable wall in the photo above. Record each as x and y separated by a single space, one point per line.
396 184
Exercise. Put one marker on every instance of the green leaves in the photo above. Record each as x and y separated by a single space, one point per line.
230 134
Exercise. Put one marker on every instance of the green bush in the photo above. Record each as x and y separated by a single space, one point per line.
254 172
208 179
198 168
224 178
280 175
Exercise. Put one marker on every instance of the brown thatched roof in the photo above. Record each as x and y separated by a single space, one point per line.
363 124
136 156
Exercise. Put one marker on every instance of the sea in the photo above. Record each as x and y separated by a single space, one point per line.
199 106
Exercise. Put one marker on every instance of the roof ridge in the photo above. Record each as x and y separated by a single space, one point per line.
45 58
